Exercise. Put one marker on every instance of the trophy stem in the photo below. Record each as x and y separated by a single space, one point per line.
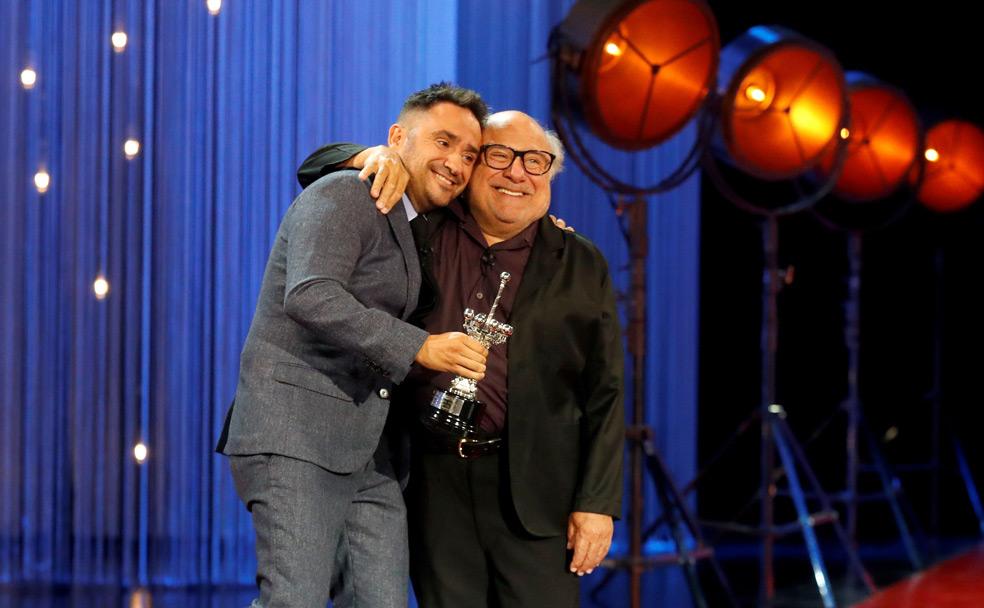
503 279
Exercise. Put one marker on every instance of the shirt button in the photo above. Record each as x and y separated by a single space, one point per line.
384 394
479 295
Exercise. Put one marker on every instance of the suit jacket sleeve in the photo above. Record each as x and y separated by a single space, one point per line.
324 160
600 489
329 228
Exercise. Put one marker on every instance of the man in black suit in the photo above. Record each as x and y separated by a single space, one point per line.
510 519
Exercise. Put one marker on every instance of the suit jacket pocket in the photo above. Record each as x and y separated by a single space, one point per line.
308 378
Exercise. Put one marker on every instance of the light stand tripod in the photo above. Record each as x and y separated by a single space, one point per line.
676 515
939 426
642 452
777 439
973 496
857 429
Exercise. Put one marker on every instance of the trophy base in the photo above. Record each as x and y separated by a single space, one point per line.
451 414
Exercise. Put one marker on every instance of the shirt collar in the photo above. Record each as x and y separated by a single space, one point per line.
408 207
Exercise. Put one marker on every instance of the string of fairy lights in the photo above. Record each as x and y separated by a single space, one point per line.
43 181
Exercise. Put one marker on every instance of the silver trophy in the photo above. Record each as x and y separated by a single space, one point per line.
455 411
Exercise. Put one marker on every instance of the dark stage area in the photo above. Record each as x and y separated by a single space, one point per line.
920 317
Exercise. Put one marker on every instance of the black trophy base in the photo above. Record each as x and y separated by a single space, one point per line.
451 414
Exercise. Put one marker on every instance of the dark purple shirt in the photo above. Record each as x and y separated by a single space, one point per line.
467 273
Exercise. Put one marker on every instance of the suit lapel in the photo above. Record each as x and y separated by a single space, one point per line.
404 237
543 264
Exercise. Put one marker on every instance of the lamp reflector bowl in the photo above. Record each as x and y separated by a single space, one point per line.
783 101
641 70
883 140
955 179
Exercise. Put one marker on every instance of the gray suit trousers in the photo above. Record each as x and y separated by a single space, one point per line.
321 534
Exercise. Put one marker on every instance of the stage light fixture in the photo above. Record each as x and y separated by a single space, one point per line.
783 102
635 73
954 176
641 70
883 140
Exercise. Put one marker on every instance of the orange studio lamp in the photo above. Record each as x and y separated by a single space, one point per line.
883 139
641 69
953 166
783 102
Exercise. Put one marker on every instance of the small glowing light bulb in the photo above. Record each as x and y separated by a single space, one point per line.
612 49
100 287
42 180
131 148
119 41
28 78
755 93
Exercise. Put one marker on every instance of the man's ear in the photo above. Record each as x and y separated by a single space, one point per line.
397 135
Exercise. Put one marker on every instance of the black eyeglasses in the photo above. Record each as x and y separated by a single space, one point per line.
535 162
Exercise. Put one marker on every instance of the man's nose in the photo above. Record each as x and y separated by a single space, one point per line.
454 164
515 170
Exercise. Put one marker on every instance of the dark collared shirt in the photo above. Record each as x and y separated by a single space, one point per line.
467 272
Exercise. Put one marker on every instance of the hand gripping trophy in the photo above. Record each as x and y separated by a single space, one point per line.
455 411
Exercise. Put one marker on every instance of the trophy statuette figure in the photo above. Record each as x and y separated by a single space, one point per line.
455 411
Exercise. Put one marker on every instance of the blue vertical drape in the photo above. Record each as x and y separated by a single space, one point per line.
225 107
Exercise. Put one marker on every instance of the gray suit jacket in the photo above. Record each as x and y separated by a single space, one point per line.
328 341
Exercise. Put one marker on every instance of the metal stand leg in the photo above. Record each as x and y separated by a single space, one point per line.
678 514
891 488
969 485
686 558
827 507
939 420
689 547
805 519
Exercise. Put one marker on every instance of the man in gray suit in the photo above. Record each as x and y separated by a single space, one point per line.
327 343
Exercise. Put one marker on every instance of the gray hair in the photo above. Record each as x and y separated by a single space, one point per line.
557 147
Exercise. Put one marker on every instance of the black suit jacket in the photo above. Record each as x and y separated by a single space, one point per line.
565 421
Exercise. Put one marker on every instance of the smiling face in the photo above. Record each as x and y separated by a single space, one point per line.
505 201
439 146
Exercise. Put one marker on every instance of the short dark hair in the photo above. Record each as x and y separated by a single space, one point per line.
442 92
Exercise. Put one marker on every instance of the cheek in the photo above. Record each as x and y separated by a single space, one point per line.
541 202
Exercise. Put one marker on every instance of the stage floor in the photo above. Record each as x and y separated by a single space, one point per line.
954 583
115 597
957 582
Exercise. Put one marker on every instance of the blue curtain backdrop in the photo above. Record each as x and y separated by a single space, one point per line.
224 107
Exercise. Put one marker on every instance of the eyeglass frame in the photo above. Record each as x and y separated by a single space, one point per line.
521 154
